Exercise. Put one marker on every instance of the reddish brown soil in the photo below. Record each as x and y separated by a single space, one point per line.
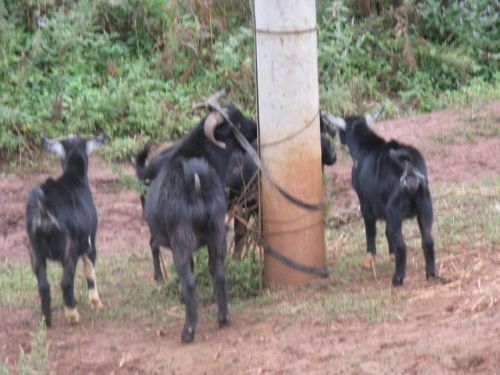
443 329
121 227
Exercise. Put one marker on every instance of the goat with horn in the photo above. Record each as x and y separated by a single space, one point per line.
390 179
185 205
61 221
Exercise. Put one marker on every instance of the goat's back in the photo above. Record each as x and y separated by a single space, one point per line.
185 202
59 209
376 178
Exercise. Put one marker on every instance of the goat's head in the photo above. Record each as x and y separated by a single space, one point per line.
73 148
352 128
219 131
328 154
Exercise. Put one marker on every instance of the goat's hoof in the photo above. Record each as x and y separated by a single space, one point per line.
48 322
159 279
224 322
369 261
430 274
397 280
96 304
95 301
187 335
71 314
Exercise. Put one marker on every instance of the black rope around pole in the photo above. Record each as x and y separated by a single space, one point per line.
318 271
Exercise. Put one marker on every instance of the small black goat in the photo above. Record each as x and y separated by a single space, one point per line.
390 180
240 181
185 204
62 222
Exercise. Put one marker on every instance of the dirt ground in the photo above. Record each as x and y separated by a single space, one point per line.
442 330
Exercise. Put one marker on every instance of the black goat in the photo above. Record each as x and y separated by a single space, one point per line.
240 181
62 222
185 205
390 180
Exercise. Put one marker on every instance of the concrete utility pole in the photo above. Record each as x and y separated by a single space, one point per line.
288 110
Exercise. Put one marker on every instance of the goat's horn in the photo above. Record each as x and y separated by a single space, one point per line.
329 128
95 143
213 120
207 103
371 118
53 146
339 122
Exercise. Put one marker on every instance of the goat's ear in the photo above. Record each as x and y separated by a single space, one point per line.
371 118
95 143
53 146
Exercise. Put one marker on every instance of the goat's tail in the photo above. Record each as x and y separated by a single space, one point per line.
39 219
411 179
140 163
197 175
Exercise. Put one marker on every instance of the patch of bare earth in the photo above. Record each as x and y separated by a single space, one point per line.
451 328
121 226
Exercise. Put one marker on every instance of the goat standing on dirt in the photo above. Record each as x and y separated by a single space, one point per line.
62 222
390 180
185 205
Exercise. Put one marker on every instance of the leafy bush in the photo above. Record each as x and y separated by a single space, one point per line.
134 67
470 23
242 277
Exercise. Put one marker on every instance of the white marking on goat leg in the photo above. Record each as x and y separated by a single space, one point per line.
71 314
88 268
369 261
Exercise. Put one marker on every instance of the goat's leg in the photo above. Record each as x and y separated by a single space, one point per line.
40 270
188 289
155 251
88 268
424 218
67 286
216 254
371 233
396 241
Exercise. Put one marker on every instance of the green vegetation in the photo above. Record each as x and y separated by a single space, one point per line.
133 273
135 67
474 126
242 277
352 292
36 361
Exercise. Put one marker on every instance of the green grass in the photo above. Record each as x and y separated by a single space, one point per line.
466 214
127 289
35 362
326 303
470 129
125 284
